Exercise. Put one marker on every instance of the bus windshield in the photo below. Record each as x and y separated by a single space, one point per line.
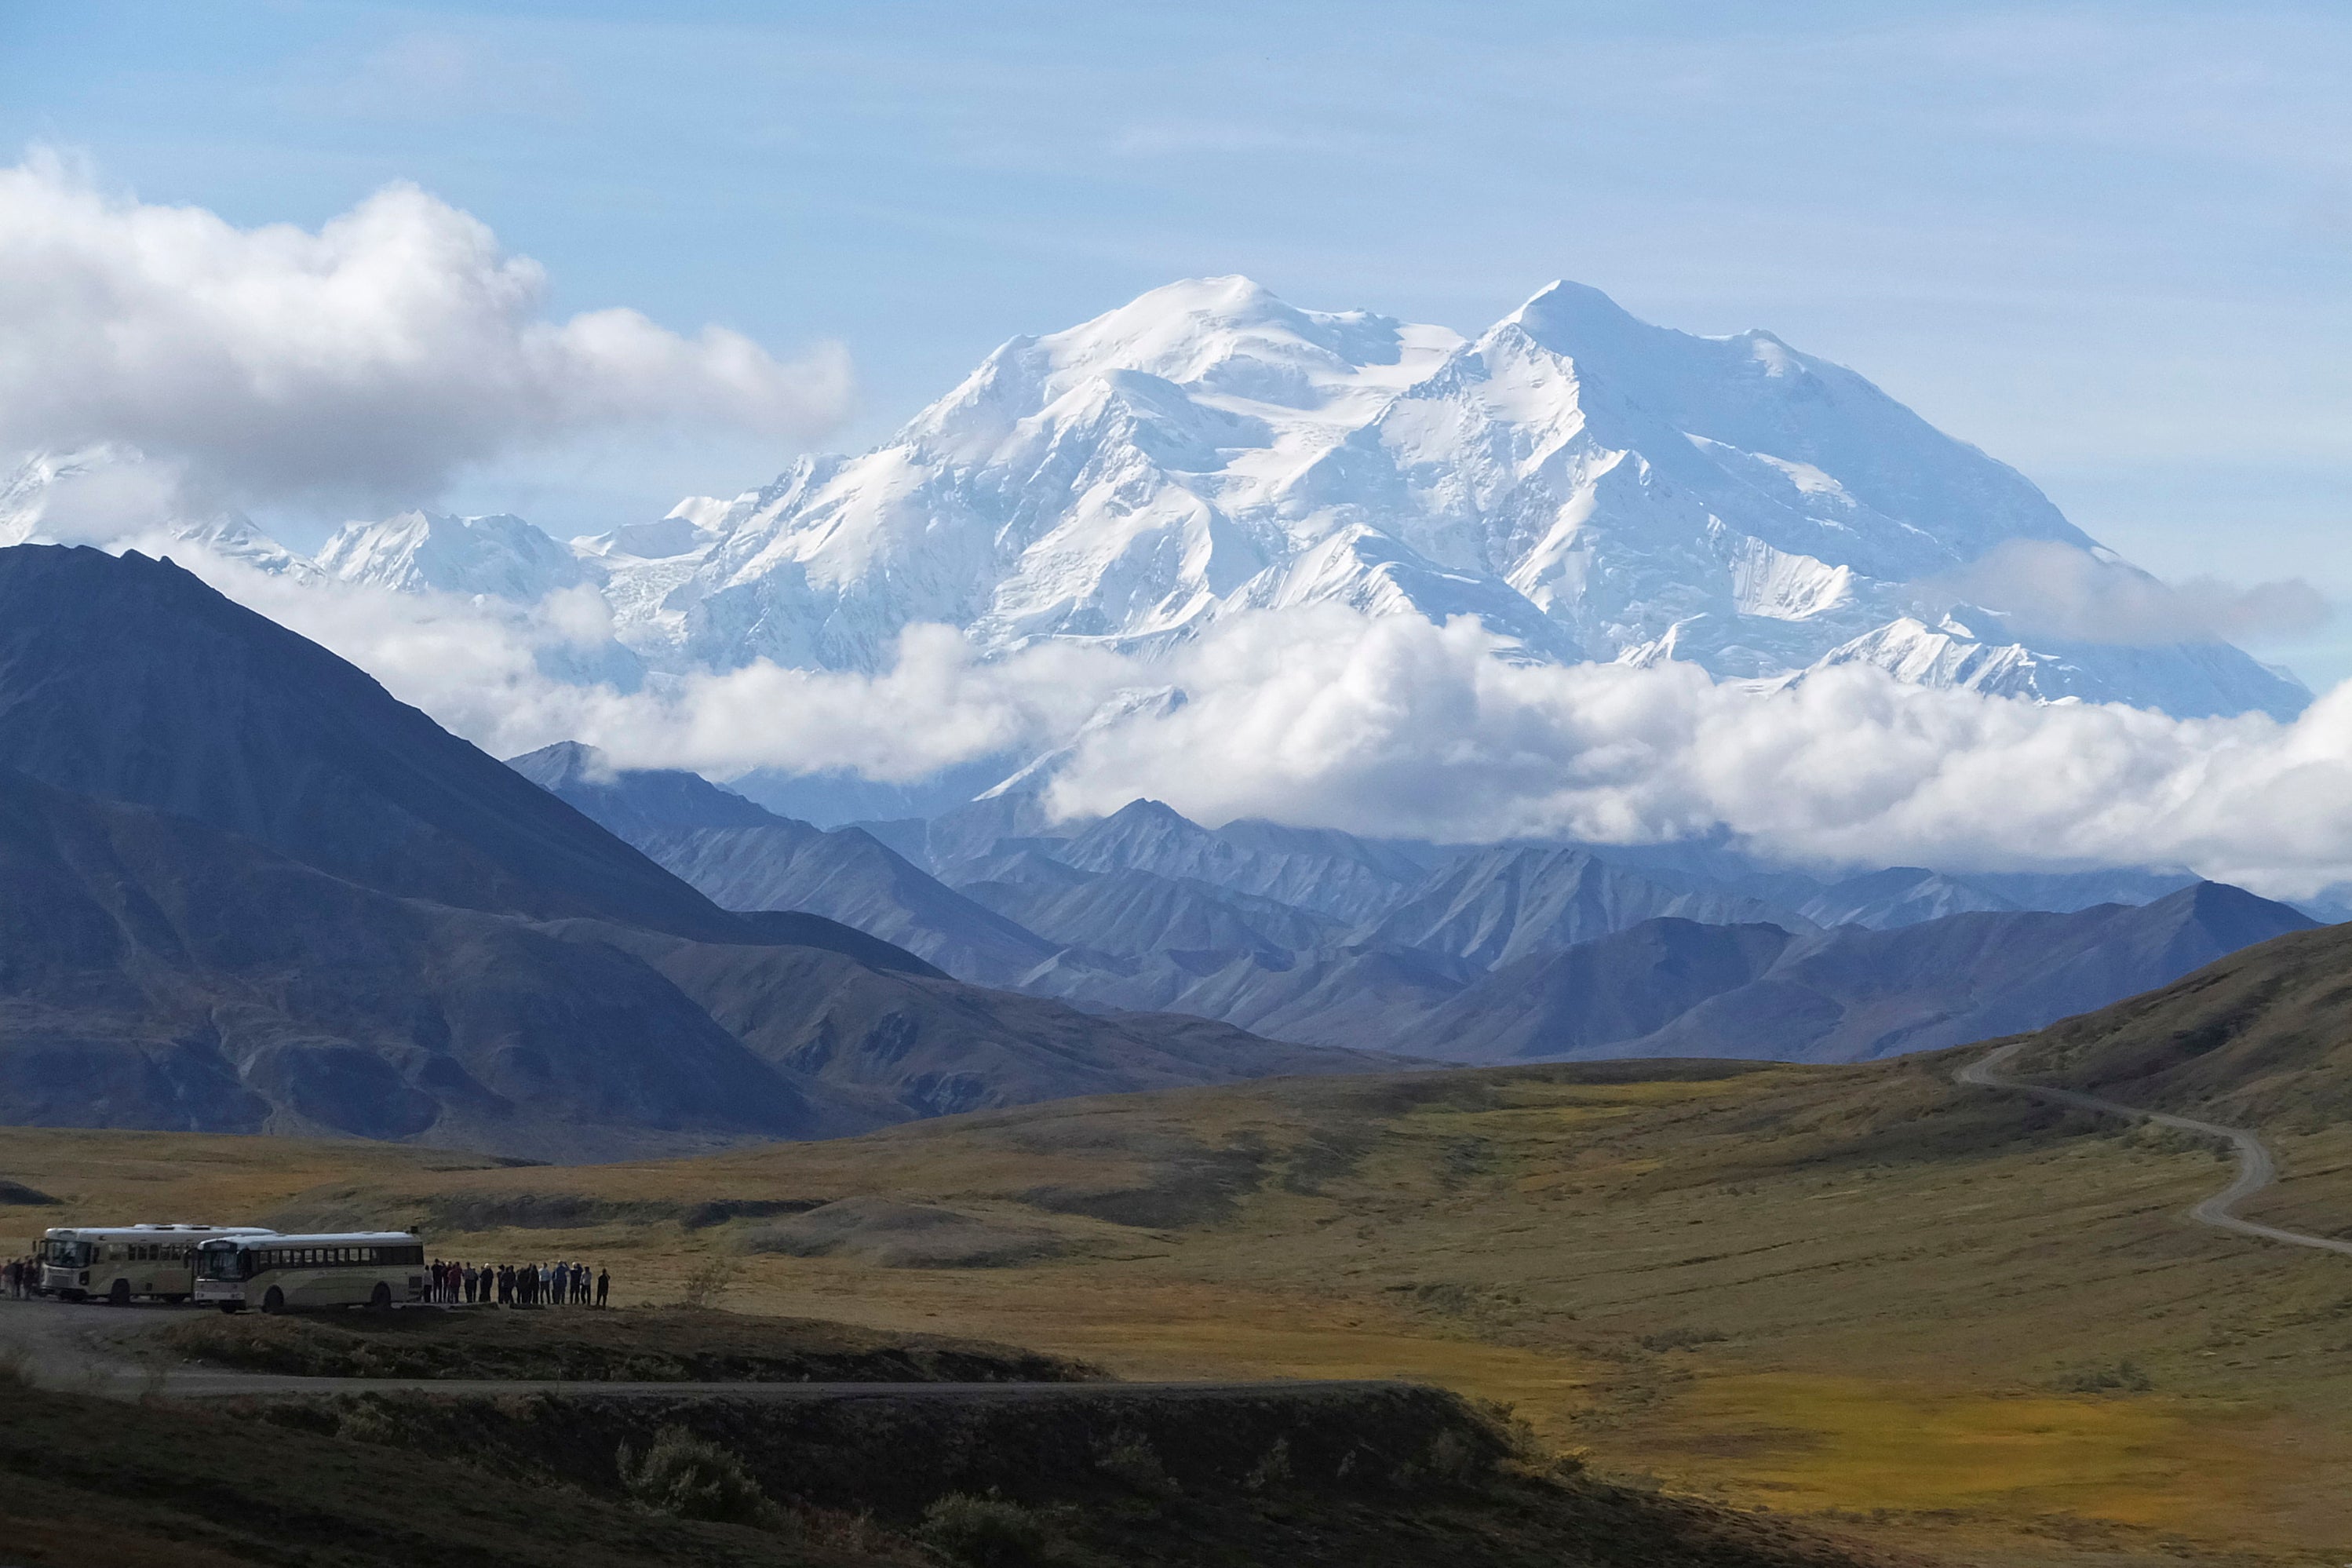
223 1262
67 1254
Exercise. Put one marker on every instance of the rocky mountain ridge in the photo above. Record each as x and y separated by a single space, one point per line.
1465 954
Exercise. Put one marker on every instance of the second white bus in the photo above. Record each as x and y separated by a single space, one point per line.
295 1273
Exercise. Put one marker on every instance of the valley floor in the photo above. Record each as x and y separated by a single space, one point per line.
1947 1320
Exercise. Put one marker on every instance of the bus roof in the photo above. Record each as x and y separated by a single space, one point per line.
325 1238
141 1232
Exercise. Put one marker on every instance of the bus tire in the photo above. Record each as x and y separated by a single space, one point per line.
175 1300
232 1306
120 1295
275 1301
381 1302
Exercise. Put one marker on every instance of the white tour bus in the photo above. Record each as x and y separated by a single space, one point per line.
116 1262
289 1273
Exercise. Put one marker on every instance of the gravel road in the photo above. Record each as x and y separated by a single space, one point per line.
2256 1167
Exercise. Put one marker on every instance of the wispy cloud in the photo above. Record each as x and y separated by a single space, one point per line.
2051 591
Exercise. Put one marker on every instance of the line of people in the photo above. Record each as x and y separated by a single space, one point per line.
519 1284
20 1278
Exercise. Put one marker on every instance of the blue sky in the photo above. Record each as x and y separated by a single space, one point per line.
2110 243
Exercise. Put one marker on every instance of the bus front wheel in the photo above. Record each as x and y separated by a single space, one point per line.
275 1301
232 1306
120 1295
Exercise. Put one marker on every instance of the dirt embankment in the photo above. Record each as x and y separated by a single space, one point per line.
653 1344
1374 1475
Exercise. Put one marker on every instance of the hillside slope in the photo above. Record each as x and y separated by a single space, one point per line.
1851 993
129 679
2261 1038
746 858
157 973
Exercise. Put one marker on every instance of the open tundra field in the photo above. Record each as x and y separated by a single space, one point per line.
1945 1319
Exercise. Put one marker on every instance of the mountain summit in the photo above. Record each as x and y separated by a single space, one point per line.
1589 486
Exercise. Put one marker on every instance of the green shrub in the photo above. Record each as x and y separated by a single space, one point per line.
1273 1470
985 1532
1128 1457
693 1478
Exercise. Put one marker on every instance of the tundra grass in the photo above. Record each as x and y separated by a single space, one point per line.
1956 1319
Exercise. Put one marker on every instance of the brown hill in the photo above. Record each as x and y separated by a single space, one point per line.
2262 1037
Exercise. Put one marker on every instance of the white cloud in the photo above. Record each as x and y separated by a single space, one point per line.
1391 726
1395 727
2048 590
393 346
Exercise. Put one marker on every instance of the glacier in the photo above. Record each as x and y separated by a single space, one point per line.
1587 485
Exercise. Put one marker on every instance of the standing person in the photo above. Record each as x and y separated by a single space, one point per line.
15 1279
579 1284
603 1286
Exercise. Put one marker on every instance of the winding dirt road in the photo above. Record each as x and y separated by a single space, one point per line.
2256 1168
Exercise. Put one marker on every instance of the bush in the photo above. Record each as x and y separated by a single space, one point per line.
693 1478
1273 1470
2125 1377
710 1281
985 1532
1454 1458
1128 1457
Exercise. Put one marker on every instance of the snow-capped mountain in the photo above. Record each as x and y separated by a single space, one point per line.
501 556
1587 485
1590 486
51 495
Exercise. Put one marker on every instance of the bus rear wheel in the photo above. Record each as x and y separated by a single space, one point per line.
275 1301
120 1295
381 1300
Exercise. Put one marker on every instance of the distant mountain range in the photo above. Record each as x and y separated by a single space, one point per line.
1589 486
1475 954
243 889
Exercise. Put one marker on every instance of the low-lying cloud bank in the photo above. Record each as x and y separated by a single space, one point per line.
1394 727
393 346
